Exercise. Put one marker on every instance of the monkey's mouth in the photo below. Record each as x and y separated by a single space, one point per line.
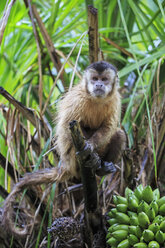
99 92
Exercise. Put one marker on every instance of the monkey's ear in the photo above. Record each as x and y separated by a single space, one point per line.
117 81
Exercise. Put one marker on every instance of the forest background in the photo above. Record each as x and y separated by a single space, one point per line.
34 49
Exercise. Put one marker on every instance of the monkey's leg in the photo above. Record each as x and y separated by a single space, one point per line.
68 167
116 147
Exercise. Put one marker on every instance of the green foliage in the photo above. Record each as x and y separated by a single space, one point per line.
136 29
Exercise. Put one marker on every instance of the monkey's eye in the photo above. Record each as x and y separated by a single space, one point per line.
104 79
95 78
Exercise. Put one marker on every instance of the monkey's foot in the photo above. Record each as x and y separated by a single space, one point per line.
91 159
106 168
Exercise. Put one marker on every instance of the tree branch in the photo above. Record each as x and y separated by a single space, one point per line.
93 34
49 44
34 199
4 19
28 113
89 163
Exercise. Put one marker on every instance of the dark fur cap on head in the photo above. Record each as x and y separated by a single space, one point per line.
101 66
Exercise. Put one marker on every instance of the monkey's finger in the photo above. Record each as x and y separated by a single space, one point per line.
85 152
106 168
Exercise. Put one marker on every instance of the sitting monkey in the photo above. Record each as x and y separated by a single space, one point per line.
96 104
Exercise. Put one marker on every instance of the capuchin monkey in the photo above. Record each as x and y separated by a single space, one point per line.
96 104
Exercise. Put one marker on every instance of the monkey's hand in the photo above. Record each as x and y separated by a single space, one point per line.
91 159
106 168
86 152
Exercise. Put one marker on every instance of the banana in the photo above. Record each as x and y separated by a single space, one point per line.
147 194
134 221
161 201
143 207
135 230
110 229
158 219
115 199
121 208
153 244
124 244
134 196
162 226
148 235
128 192
156 194
138 231
140 245
154 227
112 221
130 214
143 220
132 239
137 220
154 205
120 235
138 191
132 203
121 200
112 242
108 235
162 209
112 212
132 229
122 218
142 239
159 236
151 214
118 227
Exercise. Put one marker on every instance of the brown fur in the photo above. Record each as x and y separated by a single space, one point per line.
99 119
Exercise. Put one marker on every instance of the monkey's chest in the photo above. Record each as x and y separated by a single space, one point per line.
92 117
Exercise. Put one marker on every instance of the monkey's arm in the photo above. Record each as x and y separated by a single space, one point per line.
102 136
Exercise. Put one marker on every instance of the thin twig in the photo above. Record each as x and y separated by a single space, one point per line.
45 194
49 44
58 76
39 56
74 71
4 19
27 112
123 50
69 62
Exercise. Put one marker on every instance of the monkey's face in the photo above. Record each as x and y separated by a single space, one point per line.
100 84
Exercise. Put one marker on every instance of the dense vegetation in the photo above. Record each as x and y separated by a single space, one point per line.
32 52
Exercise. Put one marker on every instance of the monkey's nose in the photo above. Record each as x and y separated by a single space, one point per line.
99 85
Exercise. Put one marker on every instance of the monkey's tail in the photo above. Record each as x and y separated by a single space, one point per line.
45 176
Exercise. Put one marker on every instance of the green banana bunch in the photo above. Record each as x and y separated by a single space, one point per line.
137 220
